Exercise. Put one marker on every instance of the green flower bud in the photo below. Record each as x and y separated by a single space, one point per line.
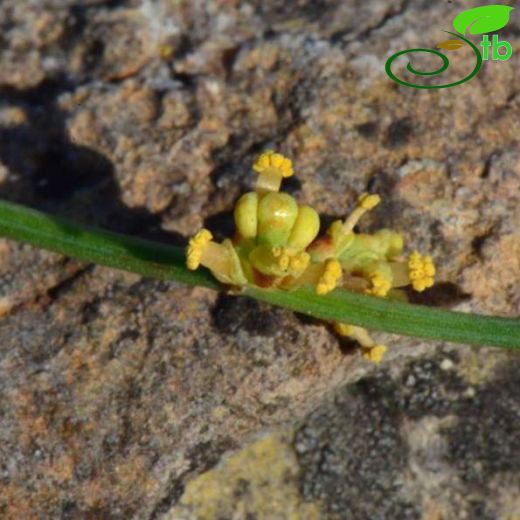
277 213
305 229
246 215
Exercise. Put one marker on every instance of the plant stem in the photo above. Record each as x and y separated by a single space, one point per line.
152 259
165 262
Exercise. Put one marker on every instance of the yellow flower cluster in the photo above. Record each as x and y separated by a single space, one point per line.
287 258
329 279
421 271
276 245
273 161
196 247
380 286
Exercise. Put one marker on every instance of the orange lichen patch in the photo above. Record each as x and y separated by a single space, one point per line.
31 423
77 363
17 503
494 280
306 140
127 72
61 468
95 492
133 474
6 304
127 478
83 127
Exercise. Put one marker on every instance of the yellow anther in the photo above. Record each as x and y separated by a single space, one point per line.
196 247
276 162
375 353
329 278
368 201
429 267
300 262
415 260
262 161
421 271
380 286
283 261
343 329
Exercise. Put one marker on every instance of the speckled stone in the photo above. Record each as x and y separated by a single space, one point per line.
427 441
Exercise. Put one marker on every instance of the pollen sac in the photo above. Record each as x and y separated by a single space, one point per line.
305 229
279 261
277 213
246 215
421 271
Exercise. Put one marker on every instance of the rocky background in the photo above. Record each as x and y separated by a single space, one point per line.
128 398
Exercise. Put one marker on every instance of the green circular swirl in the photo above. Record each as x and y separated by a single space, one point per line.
442 68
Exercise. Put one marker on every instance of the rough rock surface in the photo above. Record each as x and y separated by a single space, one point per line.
118 394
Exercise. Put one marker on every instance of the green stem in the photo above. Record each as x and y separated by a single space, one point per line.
168 263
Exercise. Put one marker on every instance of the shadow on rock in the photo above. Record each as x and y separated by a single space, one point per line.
48 171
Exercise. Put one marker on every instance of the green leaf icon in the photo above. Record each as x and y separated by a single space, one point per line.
480 20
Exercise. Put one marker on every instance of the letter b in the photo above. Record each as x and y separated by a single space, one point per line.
497 44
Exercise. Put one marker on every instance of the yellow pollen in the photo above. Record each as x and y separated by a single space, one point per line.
196 247
343 329
329 278
380 286
429 267
276 162
374 354
368 201
283 261
421 271
300 262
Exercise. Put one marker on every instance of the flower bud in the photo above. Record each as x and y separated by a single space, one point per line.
277 213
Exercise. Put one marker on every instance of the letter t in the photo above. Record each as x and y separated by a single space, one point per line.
485 47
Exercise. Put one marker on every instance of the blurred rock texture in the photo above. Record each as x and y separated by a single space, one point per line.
127 398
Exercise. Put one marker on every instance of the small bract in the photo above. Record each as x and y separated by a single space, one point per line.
276 246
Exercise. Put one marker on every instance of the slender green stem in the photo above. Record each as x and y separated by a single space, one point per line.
168 263
102 247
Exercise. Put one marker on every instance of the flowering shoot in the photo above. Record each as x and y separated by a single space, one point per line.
276 246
